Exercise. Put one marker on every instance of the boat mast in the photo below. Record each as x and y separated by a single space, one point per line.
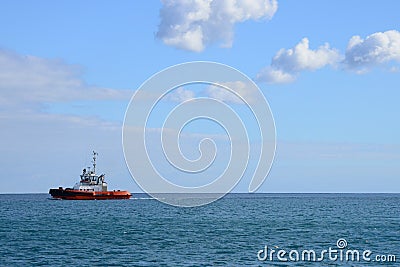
94 161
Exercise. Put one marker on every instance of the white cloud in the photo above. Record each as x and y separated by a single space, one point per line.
301 57
271 75
361 55
376 49
287 63
245 91
29 81
180 95
191 25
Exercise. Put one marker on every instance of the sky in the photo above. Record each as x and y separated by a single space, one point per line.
330 72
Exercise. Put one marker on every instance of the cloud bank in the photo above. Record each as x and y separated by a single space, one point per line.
192 25
30 131
361 55
29 81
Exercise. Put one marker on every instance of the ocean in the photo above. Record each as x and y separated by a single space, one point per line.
237 230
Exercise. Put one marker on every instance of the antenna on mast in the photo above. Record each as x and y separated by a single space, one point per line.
94 160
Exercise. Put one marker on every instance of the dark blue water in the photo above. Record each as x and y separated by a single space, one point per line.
144 232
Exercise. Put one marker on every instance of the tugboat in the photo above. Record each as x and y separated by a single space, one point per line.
90 187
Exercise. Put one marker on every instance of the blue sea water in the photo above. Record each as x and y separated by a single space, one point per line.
37 231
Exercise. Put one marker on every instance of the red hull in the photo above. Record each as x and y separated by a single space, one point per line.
70 194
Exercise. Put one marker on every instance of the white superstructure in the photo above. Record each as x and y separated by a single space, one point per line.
90 181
